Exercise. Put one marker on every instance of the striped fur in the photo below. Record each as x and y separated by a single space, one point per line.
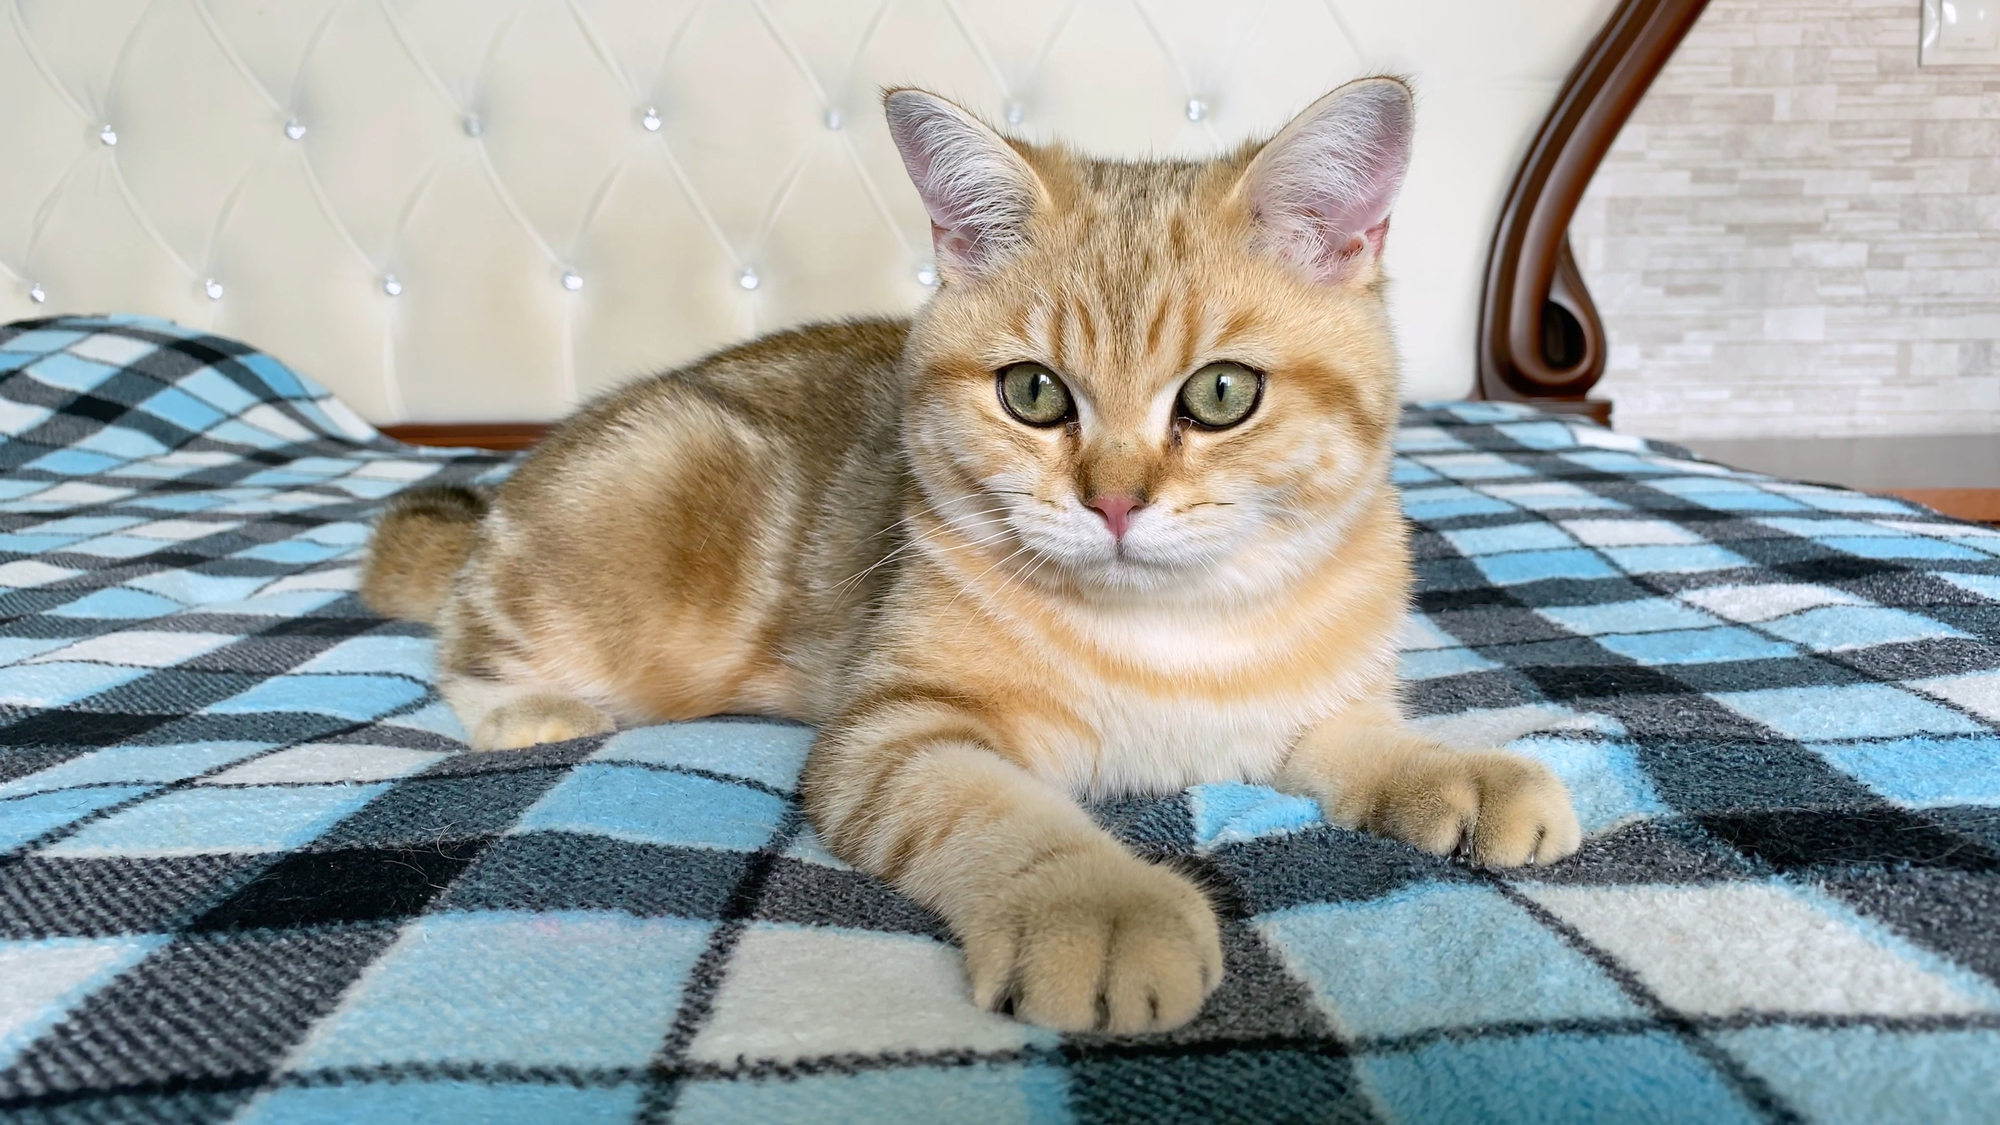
843 525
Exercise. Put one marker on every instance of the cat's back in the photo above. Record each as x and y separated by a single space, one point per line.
819 389
838 375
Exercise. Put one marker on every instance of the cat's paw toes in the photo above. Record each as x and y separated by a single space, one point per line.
1097 943
1494 808
534 719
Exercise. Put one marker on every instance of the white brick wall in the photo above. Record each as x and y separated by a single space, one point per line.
1798 232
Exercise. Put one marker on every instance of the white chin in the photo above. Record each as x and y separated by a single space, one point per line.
1126 569
1108 563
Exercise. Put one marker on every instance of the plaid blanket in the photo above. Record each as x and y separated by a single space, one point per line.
251 873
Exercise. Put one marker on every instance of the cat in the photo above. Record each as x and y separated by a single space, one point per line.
1110 515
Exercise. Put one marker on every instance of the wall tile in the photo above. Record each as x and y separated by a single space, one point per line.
1798 232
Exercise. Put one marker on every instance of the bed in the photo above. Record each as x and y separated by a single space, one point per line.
252 873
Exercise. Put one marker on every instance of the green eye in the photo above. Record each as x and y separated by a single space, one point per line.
1221 395
1033 394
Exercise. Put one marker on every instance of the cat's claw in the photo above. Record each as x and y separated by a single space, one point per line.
1097 942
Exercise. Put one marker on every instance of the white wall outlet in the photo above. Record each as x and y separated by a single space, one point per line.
1960 33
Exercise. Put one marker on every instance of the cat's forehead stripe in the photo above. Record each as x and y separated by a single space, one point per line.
1191 328
1086 325
1158 322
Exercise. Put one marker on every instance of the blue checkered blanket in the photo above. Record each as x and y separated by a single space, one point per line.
252 874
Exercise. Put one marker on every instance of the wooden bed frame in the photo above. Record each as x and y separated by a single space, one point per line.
1540 339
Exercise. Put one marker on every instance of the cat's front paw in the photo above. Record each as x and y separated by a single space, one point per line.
1490 807
1096 942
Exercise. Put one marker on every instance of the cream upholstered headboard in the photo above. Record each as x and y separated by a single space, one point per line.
464 210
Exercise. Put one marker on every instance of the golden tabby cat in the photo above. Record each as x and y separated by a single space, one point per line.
1110 515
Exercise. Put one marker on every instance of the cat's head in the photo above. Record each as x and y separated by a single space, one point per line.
1156 376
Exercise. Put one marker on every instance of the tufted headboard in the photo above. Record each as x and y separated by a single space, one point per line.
462 210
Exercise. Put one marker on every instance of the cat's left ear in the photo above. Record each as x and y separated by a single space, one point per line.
977 189
1321 190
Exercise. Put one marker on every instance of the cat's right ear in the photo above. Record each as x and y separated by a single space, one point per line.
978 190
1321 190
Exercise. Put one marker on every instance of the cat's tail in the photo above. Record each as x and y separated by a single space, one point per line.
419 545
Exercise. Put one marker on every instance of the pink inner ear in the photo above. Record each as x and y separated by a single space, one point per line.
1352 228
953 245
1364 219
976 189
1344 250
1377 235
1323 188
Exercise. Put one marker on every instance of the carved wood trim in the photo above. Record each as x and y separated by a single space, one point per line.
479 435
1981 505
1540 338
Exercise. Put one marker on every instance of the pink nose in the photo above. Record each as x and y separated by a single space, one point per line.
1117 512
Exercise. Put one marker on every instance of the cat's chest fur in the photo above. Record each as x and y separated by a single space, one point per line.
1146 744
1169 702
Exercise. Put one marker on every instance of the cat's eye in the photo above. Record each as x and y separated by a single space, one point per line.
1220 395
1033 394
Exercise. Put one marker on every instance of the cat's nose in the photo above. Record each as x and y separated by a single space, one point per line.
1117 512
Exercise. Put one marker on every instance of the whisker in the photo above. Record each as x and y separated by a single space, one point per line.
982 576
915 542
999 510
961 592
885 560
